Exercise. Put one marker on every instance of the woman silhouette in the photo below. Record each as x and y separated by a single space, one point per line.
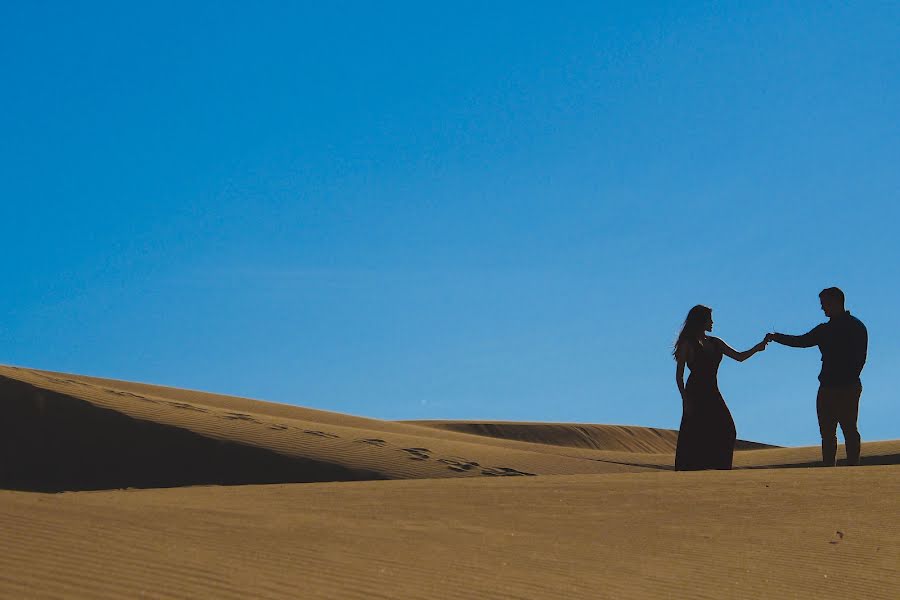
706 436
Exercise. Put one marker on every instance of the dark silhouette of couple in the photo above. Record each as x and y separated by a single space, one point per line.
707 434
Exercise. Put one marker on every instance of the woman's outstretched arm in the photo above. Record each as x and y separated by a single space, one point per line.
741 356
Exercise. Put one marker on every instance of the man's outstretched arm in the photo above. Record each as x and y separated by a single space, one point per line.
807 340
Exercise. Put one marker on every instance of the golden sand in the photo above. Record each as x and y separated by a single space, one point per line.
364 508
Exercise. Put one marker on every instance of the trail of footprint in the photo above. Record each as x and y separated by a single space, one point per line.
418 453
323 434
372 442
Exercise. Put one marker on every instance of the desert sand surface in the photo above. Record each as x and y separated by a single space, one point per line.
112 489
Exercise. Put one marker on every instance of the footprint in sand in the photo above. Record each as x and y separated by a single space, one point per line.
131 395
277 426
459 465
240 417
186 406
504 472
323 434
418 453
372 442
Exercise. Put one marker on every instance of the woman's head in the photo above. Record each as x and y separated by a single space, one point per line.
699 320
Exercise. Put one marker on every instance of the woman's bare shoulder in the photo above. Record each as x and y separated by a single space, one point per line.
716 342
686 350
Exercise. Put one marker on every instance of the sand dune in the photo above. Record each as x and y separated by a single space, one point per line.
622 438
84 433
477 509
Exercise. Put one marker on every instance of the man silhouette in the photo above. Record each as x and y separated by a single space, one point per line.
843 341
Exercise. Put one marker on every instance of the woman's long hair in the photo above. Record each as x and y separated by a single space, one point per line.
694 326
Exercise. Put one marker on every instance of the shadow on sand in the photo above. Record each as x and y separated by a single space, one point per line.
51 442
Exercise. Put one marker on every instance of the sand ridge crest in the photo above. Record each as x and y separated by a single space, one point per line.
615 438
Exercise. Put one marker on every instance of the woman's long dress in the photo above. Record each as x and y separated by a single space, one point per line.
707 435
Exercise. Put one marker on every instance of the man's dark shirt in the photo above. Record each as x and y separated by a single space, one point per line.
843 341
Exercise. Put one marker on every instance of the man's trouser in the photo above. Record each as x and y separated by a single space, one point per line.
839 405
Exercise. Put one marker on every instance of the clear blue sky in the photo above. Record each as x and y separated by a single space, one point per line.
451 210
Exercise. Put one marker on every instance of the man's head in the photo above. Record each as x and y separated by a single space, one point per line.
832 300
